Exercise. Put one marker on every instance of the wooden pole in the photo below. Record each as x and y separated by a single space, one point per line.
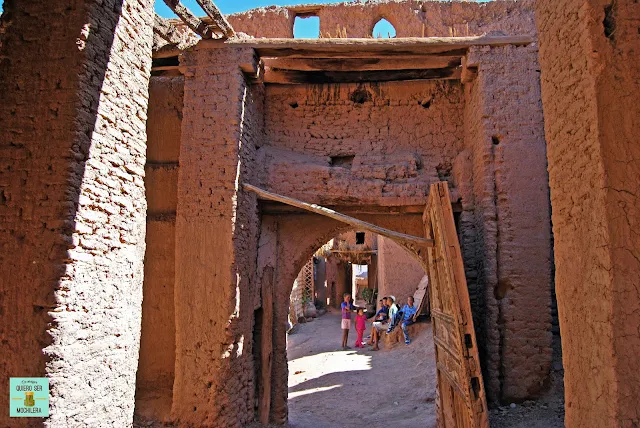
401 238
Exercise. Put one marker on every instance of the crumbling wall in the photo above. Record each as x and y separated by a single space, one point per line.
72 204
505 134
377 144
398 272
589 52
154 382
410 18
216 240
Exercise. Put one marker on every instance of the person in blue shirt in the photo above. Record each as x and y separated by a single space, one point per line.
409 315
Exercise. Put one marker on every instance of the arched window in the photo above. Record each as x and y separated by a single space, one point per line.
383 29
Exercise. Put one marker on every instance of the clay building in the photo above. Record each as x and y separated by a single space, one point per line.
147 263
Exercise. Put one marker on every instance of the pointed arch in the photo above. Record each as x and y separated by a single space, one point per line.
383 29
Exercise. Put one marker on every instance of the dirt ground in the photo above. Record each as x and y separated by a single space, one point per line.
335 388
329 387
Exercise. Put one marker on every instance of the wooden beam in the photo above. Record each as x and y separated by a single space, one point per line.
190 20
401 238
363 64
363 48
217 17
165 29
293 77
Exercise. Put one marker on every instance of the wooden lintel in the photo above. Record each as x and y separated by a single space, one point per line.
217 17
401 238
292 77
190 20
363 64
362 48
277 208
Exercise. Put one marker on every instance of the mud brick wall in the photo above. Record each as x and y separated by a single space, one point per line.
216 240
72 210
505 133
398 272
410 18
589 52
389 141
157 343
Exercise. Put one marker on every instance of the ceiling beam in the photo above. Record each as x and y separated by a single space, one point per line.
293 77
217 17
363 48
193 22
363 64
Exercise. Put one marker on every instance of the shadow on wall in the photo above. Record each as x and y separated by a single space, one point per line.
54 160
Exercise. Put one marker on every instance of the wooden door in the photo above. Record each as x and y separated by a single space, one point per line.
461 400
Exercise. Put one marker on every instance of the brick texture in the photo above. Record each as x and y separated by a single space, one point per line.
72 210
589 57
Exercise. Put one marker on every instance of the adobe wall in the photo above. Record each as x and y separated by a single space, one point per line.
400 136
398 272
157 343
590 66
72 203
216 240
439 19
504 127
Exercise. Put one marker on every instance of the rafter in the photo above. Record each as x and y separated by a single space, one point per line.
190 20
217 17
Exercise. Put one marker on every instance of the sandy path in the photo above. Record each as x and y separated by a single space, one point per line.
335 388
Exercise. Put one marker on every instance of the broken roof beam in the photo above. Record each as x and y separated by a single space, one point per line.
401 238
196 24
217 17
293 77
363 64
366 48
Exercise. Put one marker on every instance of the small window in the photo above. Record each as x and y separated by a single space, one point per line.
359 238
383 30
306 27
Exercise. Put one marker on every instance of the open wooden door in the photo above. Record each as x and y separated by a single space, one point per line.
461 400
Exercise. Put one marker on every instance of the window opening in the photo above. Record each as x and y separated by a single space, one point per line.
383 30
359 238
306 27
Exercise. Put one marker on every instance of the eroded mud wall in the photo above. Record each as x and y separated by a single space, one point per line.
505 134
589 52
398 272
372 144
216 240
73 108
410 18
157 343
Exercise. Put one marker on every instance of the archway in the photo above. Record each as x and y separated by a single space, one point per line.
323 376
383 29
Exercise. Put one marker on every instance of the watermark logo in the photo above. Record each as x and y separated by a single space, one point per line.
28 397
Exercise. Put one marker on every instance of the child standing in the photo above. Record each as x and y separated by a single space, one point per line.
361 326
347 307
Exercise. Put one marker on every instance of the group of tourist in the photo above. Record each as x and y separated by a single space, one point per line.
385 320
